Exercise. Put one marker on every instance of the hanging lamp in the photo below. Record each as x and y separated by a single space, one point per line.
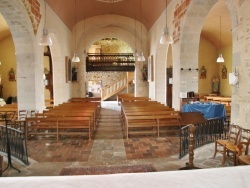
45 40
166 38
141 56
75 58
220 59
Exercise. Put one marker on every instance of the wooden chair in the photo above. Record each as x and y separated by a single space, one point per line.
232 138
19 123
230 151
22 114
242 157
32 113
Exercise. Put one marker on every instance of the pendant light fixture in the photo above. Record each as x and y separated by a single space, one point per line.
141 56
45 40
75 58
166 38
220 59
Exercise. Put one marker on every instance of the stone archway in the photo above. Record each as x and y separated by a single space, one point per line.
58 64
22 33
186 55
112 26
160 69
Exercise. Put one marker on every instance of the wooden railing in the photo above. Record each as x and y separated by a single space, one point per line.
110 62
114 88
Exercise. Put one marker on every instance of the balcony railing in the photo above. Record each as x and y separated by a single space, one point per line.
110 62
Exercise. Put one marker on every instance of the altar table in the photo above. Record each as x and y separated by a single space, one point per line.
208 109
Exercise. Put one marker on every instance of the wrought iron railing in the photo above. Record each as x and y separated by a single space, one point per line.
110 62
205 133
17 143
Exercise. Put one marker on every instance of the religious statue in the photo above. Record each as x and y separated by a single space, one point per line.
145 73
203 73
74 74
224 72
12 75
216 84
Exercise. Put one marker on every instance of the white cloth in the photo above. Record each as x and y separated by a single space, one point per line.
211 178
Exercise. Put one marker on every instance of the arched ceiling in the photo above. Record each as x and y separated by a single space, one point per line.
211 26
147 12
4 29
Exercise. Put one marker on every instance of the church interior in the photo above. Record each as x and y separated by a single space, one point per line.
124 93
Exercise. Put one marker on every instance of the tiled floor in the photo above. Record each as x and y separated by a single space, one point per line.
48 156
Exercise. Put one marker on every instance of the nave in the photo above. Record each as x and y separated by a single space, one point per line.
48 157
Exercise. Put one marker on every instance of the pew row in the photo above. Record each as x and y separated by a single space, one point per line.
69 118
154 118
58 125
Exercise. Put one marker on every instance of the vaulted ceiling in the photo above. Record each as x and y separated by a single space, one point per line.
146 11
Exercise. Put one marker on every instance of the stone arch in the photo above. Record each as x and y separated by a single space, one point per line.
58 70
120 27
160 69
22 33
186 55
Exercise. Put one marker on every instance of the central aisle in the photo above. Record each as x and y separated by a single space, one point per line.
108 140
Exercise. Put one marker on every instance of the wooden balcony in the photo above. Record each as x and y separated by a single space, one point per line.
110 62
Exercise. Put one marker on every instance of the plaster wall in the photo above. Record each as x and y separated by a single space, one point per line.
8 59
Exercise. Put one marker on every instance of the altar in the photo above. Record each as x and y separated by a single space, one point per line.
208 109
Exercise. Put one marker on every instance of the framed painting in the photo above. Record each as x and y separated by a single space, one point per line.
150 68
74 73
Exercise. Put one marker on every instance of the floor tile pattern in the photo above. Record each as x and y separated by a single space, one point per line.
70 150
143 148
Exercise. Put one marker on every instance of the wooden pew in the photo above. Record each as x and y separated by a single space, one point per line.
134 99
41 126
93 113
150 120
145 116
84 100
75 126
57 125
142 111
122 95
73 113
142 108
141 122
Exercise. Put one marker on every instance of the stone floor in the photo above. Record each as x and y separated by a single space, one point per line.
47 156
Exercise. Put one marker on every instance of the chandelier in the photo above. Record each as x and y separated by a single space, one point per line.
109 1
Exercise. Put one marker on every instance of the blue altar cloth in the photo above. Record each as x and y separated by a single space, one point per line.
209 109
